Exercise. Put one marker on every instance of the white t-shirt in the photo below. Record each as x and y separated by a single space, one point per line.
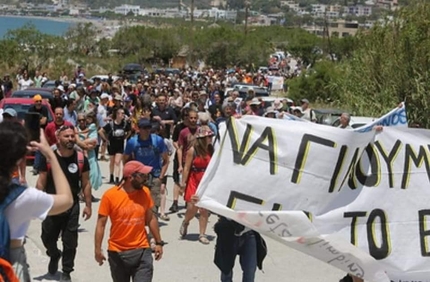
24 84
308 113
31 204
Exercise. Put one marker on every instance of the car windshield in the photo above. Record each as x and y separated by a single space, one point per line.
22 109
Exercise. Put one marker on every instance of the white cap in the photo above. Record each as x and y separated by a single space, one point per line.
104 96
61 88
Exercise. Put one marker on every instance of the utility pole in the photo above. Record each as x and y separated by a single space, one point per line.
192 14
247 3
191 50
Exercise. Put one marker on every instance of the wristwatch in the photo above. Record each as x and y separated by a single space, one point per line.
161 243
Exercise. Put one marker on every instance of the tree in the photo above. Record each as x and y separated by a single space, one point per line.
31 48
390 65
82 38
315 84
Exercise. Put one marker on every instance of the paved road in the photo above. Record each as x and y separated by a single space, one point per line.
184 260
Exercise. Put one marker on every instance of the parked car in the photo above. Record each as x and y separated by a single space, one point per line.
104 77
133 68
268 101
50 84
327 116
21 106
355 122
243 89
31 92
168 71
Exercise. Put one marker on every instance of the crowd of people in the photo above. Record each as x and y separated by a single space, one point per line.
141 129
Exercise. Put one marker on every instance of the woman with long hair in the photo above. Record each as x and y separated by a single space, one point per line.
21 204
197 160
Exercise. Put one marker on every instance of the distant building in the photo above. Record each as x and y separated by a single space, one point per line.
337 28
318 8
358 11
387 4
292 5
125 9
218 3
262 20
74 12
153 12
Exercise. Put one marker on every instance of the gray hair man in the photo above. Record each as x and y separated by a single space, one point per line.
344 119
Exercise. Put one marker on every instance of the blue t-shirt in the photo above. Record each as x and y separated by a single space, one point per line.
146 152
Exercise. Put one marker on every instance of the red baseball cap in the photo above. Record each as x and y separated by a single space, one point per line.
135 166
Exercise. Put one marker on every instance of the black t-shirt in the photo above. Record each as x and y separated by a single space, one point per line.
43 112
177 131
116 133
175 135
167 114
70 168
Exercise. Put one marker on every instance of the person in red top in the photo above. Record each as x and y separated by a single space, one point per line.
198 157
53 126
129 207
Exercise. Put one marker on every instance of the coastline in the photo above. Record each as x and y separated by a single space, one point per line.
102 25
72 20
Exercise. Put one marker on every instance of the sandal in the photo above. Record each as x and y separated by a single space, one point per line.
164 217
204 239
184 228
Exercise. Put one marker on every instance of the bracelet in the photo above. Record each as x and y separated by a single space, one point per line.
161 243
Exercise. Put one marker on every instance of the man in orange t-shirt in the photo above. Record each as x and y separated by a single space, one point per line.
128 206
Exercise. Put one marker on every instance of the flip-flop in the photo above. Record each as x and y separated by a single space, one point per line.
204 239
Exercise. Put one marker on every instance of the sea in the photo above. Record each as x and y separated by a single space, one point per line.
44 25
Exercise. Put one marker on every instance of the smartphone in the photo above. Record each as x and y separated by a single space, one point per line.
32 124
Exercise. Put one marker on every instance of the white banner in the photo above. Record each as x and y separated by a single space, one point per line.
277 82
312 188
396 117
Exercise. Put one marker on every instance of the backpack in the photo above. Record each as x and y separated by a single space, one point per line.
154 146
6 270
80 157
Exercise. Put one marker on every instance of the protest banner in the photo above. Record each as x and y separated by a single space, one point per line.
355 200
396 117
277 82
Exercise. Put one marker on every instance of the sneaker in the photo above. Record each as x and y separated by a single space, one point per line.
53 264
164 217
184 228
174 208
65 277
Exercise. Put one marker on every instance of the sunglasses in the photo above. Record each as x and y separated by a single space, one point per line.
65 127
82 119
